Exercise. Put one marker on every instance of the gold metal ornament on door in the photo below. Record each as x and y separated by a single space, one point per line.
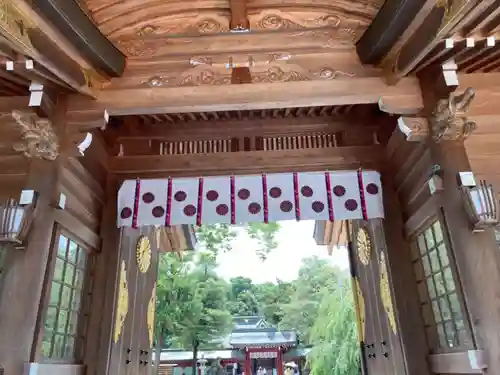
151 315
143 254
385 293
360 307
364 246
121 304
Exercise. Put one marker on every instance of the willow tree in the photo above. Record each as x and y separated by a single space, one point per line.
334 335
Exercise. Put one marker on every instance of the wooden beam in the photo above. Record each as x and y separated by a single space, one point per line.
239 20
266 127
247 96
68 19
215 69
246 162
392 24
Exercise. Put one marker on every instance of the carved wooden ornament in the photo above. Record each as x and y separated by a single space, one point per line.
143 254
121 304
448 120
39 139
364 246
385 293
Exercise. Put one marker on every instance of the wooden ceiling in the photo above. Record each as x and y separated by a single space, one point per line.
135 19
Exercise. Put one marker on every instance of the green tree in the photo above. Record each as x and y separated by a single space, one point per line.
315 277
272 297
334 335
217 238
265 235
191 304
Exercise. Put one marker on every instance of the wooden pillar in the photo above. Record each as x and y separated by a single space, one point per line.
477 255
279 369
98 343
248 365
23 280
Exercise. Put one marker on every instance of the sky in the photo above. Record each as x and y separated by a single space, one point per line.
295 242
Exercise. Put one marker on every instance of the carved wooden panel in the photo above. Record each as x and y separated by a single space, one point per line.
123 22
131 349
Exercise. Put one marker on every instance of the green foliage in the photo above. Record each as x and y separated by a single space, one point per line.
315 277
217 238
191 304
334 335
265 236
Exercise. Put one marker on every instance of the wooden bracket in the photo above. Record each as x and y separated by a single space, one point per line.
84 121
442 118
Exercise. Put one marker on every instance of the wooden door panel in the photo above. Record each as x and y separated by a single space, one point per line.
130 352
362 263
125 291
145 336
390 344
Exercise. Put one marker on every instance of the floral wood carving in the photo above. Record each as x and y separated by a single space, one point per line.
39 139
449 118
121 303
385 293
151 315
276 74
187 24
275 21
14 23
207 75
136 47
328 73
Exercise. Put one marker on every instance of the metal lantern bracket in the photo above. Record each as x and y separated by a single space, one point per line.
479 202
16 218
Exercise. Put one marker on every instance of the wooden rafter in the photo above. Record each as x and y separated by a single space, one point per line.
433 33
31 38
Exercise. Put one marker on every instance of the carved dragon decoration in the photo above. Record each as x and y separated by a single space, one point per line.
39 139
448 119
